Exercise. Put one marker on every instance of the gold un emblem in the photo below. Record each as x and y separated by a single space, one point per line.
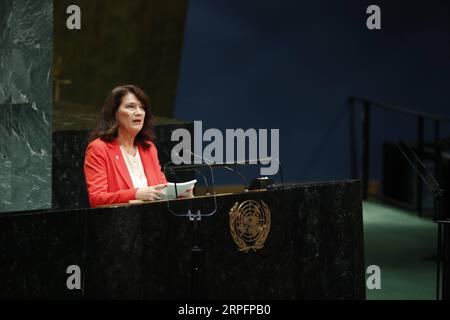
250 224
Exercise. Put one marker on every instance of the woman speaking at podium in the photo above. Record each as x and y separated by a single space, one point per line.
121 161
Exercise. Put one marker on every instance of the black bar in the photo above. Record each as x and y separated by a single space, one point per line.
437 159
401 110
439 257
419 186
446 261
366 149
353 156
197 268
437 130
437 207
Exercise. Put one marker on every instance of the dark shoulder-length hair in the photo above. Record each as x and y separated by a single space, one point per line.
107 126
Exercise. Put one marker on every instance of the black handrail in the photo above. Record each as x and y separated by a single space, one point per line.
405 111
366 105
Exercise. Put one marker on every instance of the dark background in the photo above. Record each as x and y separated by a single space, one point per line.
120 42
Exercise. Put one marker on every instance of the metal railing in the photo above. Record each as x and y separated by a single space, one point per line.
366 106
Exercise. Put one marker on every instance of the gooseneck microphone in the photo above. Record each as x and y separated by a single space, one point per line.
225 166
240 176
166 166
208 191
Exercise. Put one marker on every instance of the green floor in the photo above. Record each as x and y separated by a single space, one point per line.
404 247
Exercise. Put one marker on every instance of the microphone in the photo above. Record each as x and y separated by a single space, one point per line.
208 191
226 167
176 177
166 166
240 176
189 213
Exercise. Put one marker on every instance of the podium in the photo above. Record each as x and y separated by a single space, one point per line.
311 249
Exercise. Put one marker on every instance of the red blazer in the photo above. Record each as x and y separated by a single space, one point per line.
107 178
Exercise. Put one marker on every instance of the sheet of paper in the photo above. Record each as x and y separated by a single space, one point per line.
181 187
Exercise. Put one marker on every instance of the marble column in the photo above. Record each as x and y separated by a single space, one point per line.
26 48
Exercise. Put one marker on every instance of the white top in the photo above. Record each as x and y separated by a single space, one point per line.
135 168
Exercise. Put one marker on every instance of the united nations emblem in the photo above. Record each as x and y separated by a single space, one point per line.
250 224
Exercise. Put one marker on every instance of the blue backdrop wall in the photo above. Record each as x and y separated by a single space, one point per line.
292 64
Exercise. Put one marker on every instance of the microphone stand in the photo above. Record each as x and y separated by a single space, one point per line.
208 191
196 250
240 176
211 162
174 174
438 193
195 217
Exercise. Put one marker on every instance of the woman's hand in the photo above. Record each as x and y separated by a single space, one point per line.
151 193
189 193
